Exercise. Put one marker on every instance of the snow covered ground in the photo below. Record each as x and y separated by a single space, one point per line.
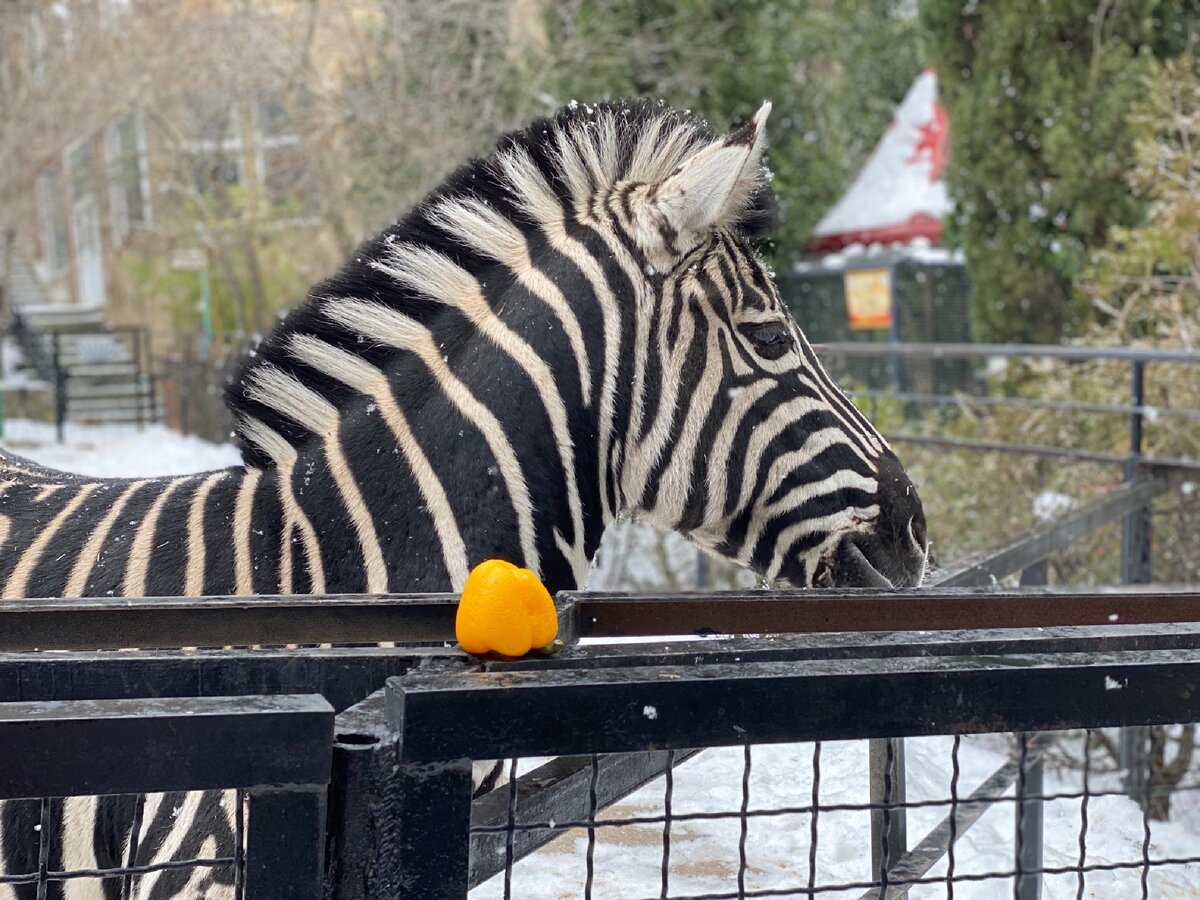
110 451
704 852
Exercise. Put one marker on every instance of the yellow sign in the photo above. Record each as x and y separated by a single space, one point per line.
869 298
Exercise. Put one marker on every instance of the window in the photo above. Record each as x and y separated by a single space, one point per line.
282 164
52 211
214 149
128 193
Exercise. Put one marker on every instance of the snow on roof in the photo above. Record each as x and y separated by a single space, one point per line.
918 249
899 195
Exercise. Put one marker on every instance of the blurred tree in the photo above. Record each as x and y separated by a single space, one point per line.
834 70
1146 283
1040 94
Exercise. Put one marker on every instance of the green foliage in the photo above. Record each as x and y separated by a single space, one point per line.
833 70
1146 283
1041 94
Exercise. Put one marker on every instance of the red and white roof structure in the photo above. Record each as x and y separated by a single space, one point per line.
899 196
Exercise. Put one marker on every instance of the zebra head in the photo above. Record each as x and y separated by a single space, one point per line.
733 433
572 327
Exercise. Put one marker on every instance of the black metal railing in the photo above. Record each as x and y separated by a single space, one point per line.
126 371
956 659
274 751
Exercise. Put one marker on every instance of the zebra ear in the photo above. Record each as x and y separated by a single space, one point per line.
715 184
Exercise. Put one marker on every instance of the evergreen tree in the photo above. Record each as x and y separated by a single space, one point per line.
834 70
1040 95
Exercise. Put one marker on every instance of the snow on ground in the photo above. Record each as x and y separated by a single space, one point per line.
108 451
704 852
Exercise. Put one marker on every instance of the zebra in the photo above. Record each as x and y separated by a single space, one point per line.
575 327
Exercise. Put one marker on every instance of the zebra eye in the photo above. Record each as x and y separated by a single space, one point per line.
770 339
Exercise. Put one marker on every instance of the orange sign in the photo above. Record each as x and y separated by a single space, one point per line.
869 298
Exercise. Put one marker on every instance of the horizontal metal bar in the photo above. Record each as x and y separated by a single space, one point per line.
937 350
868 645
872 610
1123 409
556 792
450 714
154 622
1147 462
83 747
986 568
112 623
343 675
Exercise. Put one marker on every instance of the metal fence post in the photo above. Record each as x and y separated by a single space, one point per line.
1030 814
431 841
60 387
1029 831
285 839
1135 538
1135 569
889 827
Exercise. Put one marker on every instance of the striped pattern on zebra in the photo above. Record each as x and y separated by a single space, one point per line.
574 327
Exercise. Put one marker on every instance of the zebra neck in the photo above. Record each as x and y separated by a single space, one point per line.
414 497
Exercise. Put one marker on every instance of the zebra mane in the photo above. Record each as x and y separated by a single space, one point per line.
546 171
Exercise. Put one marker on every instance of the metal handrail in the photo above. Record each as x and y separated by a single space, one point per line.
936 350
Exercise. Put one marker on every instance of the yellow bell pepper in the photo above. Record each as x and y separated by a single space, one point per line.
504 609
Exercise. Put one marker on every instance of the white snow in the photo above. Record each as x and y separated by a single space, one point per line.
1051 505
704 852
108 451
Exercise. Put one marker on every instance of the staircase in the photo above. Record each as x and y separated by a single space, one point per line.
101 373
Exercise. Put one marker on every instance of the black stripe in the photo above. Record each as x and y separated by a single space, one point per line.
166 572
217 529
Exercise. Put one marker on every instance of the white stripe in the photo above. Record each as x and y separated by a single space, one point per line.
679 475
79 846
193 582
294 517
537 199
479 226
242 514
181 821
764 514
46 491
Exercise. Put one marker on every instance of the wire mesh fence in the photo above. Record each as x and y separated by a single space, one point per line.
793 820
44 847
200 796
